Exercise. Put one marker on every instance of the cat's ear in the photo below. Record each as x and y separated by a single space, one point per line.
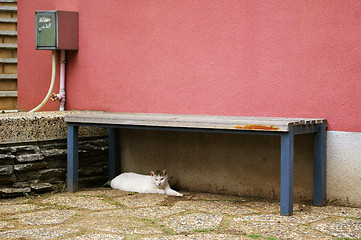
165 172
152 173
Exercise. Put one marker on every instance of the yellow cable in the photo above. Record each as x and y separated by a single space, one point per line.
51 84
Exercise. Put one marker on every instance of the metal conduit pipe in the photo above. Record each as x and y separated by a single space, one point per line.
51 83
61 95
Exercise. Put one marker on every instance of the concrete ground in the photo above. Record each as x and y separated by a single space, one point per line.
103 213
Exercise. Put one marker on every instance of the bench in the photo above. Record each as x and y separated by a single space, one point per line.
286 128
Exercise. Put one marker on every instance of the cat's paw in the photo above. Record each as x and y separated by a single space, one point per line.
173 193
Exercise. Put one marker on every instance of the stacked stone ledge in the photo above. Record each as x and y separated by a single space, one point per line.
41 166
33 153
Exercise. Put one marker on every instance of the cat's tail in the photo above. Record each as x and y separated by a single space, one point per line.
107 184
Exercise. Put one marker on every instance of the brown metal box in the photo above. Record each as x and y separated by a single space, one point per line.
56 30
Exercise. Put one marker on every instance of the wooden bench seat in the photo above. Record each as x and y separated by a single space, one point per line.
286 128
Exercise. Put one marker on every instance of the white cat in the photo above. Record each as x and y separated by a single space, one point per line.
156 182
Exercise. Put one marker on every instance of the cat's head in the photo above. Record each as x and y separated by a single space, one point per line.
159 178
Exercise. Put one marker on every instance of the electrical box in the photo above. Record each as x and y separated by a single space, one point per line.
56 30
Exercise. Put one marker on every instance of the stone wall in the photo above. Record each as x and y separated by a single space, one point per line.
33 153
41 166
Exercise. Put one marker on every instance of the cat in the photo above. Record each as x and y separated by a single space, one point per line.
156 182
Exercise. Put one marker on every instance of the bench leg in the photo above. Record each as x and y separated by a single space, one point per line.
287 145
114 152
73 155
319 168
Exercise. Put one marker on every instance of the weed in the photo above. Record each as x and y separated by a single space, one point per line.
209 200
305 224
254 236
355 218
272 238
60 187
348 238
62 207
333 201
149 221
167 231
208 230
107 200
134 237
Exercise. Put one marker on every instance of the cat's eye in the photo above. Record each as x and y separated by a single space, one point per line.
162 179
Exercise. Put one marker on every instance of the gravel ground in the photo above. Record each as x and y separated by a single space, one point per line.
110 214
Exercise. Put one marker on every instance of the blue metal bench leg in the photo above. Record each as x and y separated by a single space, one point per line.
73 155
319 168
287 149
114 152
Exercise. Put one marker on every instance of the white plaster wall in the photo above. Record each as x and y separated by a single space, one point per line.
344 167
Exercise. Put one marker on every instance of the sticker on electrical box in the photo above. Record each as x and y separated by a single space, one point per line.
45 22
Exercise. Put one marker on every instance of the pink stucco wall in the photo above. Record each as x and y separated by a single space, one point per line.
262 58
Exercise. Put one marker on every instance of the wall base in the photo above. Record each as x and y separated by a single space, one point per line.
344 167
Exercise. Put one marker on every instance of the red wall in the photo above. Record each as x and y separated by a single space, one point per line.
263 58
